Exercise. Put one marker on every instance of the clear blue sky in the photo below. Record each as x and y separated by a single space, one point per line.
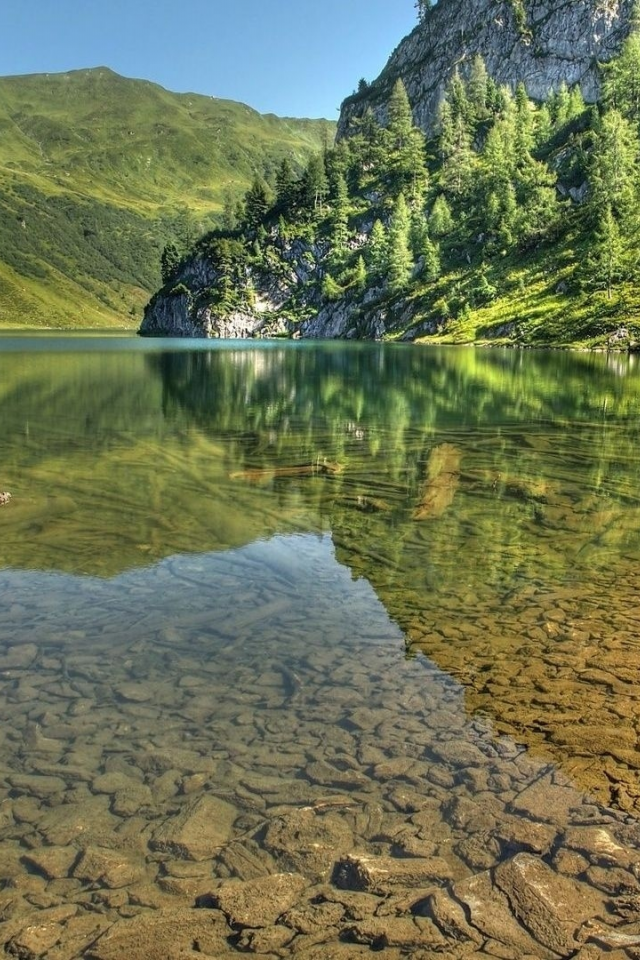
290 57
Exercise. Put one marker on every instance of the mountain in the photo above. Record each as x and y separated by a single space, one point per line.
506 218
540 43
98 172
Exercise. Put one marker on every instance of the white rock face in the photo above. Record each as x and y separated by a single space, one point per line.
560 42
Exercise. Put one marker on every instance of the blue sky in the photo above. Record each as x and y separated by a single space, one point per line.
290 57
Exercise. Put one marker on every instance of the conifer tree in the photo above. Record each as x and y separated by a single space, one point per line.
455 140
229 212
377 248
405 154
418 232
441 219
399 260
478 90
286 188
560 105
621 81
523 122
339 216
432 267
400 116
605 265
613 175
314 186
169 261
422 7
360 274
256 204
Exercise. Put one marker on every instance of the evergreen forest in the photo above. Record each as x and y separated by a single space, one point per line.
517 222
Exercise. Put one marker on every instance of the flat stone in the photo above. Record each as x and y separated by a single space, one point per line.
457 753
599 847
329 776
135 692
78 933
259 903
402 932
18 657
549 905
133 798
34 941
307 918
108 868
54 863
165 934
449 916
528 835
83 823
488 910
112 782
198 831
382 875
308 842
264 941
546 801
37 786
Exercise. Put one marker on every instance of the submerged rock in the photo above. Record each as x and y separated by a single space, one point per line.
198 831
259 903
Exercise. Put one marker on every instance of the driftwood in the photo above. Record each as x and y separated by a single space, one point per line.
443 478
4 498
320 468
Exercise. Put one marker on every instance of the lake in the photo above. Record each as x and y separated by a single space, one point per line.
314 650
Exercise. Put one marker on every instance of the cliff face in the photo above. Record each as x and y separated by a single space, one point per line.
268 302
541 43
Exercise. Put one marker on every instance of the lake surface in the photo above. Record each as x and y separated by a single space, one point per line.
338 642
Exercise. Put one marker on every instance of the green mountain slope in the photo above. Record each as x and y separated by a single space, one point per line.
99 172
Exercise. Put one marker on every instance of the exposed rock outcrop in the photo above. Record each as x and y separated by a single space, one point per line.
542 43
269 302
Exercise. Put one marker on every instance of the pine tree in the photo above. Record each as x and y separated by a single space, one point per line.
314 187
422 8
455 140
405 161
523 122
286 188
339 216
621 81
560 105
360 274
229 212
605 265
432 267
478 90
376 251
441 219
400 116
613 175
169 261
400 261
256 204
418 232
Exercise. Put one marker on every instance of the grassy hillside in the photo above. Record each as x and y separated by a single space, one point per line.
98 172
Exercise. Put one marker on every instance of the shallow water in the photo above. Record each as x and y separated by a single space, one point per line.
276 608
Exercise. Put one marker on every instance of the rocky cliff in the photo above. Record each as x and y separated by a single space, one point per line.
284 300
542 43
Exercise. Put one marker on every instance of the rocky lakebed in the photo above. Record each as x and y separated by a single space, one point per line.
233 754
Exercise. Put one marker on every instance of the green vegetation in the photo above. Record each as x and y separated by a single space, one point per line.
98 174
516 223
